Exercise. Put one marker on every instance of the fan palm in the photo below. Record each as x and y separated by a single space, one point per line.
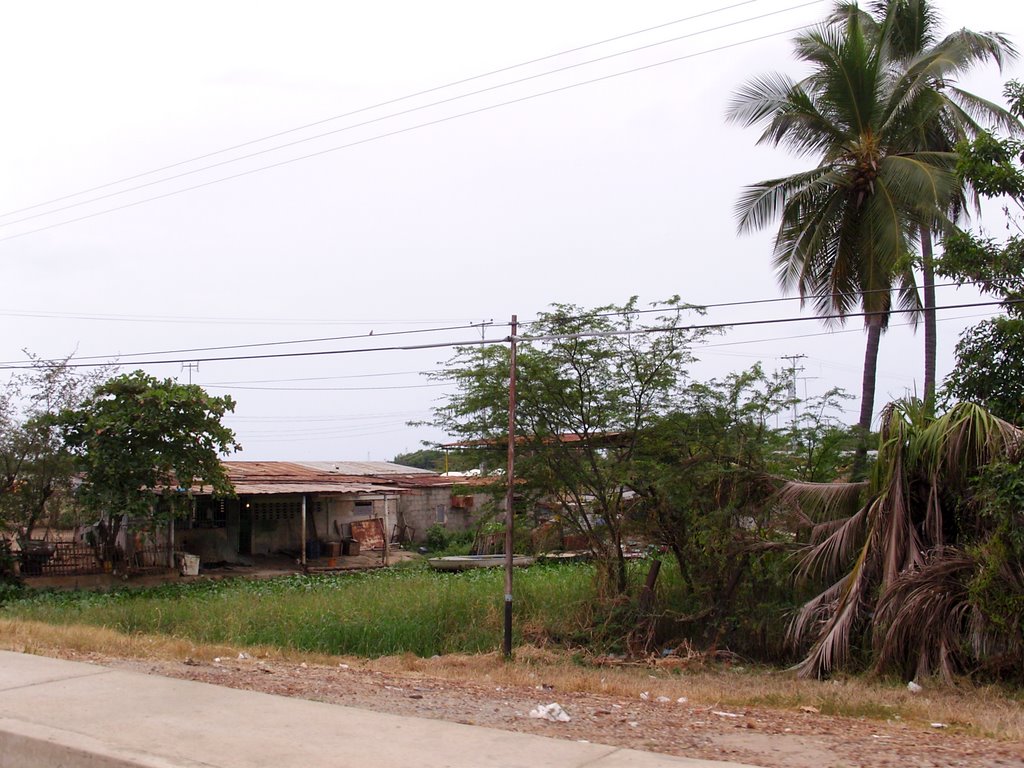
910 30
849 225
885 555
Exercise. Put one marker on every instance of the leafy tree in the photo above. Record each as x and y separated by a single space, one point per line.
893 547
910 30
990 356
426 458
848 226
141 443
35 468
707 479
590 383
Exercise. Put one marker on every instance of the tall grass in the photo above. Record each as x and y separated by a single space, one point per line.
375 613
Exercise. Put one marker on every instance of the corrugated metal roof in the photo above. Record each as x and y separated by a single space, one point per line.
364 468
264 489
267 477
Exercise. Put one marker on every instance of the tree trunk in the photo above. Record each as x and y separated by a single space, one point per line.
928 268
867 398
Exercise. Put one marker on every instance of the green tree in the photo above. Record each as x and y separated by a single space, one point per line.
141 443
590 383
706 479
990 356
36 469
910 29
848 226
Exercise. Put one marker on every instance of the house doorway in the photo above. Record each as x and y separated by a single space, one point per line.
245 529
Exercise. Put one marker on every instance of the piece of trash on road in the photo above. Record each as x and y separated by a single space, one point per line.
552 711
724 714
645 696
810 710
914 687
663 699
939 725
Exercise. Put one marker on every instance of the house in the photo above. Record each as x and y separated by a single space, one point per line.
342 500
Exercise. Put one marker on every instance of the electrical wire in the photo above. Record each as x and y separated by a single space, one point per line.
392 115
379 105
545 337
397 132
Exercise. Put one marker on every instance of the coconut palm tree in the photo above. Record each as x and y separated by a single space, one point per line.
849 225
896 556
910 30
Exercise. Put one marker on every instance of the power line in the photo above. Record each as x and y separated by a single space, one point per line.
745 302
199 319
545 337
400 113
397 132
282 343
482 325
386 103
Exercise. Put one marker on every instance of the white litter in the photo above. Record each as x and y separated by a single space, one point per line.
663 699
633 724
343 666
681 700
914 687
552 712
724 714
939 725
216 660
303 665
244 656
645 696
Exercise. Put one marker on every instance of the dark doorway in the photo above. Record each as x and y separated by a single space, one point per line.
245 529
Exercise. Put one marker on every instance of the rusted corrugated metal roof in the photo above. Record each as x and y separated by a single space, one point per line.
267 477
376 468
264 489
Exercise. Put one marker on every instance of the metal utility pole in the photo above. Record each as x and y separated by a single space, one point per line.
793 370
191 367
510 478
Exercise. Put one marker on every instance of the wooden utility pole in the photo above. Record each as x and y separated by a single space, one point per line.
510 479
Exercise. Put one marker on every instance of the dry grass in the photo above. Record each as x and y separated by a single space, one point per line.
992 712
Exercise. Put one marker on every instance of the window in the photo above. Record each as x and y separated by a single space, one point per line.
364 509
442 514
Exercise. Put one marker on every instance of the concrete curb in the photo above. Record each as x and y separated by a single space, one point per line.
73 715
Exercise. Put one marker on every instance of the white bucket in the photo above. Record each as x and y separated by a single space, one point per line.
189 565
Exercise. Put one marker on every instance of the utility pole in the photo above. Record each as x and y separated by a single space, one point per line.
191 367
793 370
510 479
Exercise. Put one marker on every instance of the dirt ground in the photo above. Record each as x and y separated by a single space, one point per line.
763 737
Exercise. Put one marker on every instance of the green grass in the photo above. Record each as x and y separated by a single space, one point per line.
374 613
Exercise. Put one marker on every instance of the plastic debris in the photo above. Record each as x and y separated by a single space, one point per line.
724 714
645 696
939 725
633 724
682 700
810 710
244 656
663 699
914 687
343 666
552 712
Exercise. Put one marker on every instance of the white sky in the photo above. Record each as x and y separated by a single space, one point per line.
585 196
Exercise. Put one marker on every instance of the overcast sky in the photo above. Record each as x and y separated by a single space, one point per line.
586 195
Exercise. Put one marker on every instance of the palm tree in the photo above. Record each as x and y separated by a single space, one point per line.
849 225
910 30
898 559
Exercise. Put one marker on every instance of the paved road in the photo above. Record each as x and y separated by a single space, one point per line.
74 715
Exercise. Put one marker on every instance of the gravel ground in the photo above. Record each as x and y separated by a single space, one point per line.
764 737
